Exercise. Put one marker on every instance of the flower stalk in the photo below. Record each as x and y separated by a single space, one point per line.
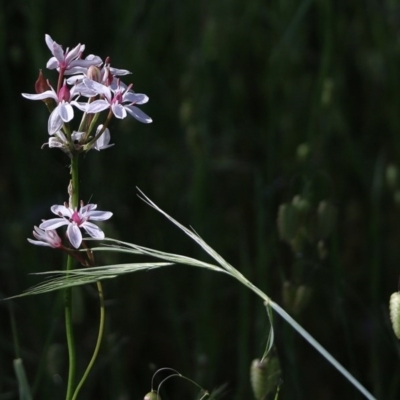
74 196
98 82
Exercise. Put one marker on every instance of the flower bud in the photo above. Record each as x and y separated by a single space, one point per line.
264 376
94 73
152 396
394 308
64 93
41 84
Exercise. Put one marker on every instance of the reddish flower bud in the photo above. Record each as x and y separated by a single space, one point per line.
64 93
41 84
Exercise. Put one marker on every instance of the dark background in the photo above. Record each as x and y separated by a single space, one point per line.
238 89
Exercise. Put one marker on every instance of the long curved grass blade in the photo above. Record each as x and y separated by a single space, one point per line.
236 274
63 279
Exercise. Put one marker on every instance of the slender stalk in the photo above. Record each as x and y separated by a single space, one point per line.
98 343
74 200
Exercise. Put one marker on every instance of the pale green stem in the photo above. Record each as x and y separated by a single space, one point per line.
74 199
98 343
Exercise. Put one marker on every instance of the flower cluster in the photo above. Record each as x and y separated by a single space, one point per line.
75 219
90 78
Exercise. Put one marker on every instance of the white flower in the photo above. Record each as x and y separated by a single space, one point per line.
69 62
76 220
115 99
107 75
63 112
103 141
47 238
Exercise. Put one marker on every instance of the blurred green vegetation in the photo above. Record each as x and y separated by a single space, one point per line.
253 102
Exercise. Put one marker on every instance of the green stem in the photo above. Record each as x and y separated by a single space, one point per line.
98 343
74 200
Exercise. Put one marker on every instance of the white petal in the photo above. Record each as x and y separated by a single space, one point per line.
52 63
93 230
53 223
99 215
98 88
74 53
61 210
137 98
39 243
103 141
48 94
80 105
74 235
138 114
58 52
49 41
66 111
87 208
55 122
97 106
72 79
119 111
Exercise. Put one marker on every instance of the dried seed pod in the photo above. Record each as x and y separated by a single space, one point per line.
392 176
326 217
301 299
287 222
301 204
152 396
288 294
264 376
394 307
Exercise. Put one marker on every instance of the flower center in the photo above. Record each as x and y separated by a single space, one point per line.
75 217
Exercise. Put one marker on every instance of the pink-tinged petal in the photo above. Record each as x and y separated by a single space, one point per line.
52 63
49 41
74 235
62 210
97 106
58 52
98 88
38 243
66 111
118 110
46 238
103 141
55 122
73 79
78 49
80 105
93 230
138 114
53 223
82 89
86 63
87 208
99 215
48 94
119 72
137 98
